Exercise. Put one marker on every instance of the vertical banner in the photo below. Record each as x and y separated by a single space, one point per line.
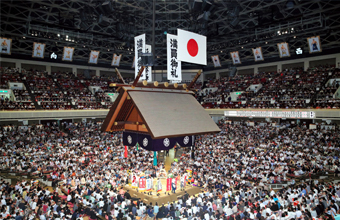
142 184
148 69
235 57
258 56
38 50
314 44
283 49
149 183
159 185
125 152
168 184
94 55
139 48
174 65
155 158
216 60
68 54
5 45
134 180
116 60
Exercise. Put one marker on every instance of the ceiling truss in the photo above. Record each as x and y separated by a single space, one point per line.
258 24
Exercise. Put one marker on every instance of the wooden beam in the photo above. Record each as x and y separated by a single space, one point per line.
114 116
194 80
131 127
120 85
137 128
120 76
163 85
142 128
128 122
105 125
138 76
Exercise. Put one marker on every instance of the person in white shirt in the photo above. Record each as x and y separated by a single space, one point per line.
42 217
199 200
194 209
139 212
34 204
3 201
298 214
272 193
116 212
99 196
101 203
227 210
234 209
123 204
206 216
188 202
69 198
291 215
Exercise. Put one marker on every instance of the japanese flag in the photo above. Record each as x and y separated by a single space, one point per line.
192 48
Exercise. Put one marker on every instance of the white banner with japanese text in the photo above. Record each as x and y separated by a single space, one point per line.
139 49
174 65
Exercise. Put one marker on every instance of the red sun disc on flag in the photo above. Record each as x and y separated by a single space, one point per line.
192 47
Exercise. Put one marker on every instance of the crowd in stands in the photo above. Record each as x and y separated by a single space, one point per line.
8 75
46 91
104 99
22 95
102 82
55 91
21 98
328 97
294 88
233 168
13 105
226 85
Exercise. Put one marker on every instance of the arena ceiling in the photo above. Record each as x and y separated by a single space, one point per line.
110 25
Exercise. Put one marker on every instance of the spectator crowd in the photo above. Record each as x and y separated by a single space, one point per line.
234 170
294 88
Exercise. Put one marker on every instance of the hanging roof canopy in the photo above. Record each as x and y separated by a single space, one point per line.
159 112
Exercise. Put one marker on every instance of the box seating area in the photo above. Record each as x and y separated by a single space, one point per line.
289 89
21 99
293 88
46 91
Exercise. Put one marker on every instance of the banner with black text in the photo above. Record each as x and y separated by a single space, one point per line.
174 65
148 69
139 49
